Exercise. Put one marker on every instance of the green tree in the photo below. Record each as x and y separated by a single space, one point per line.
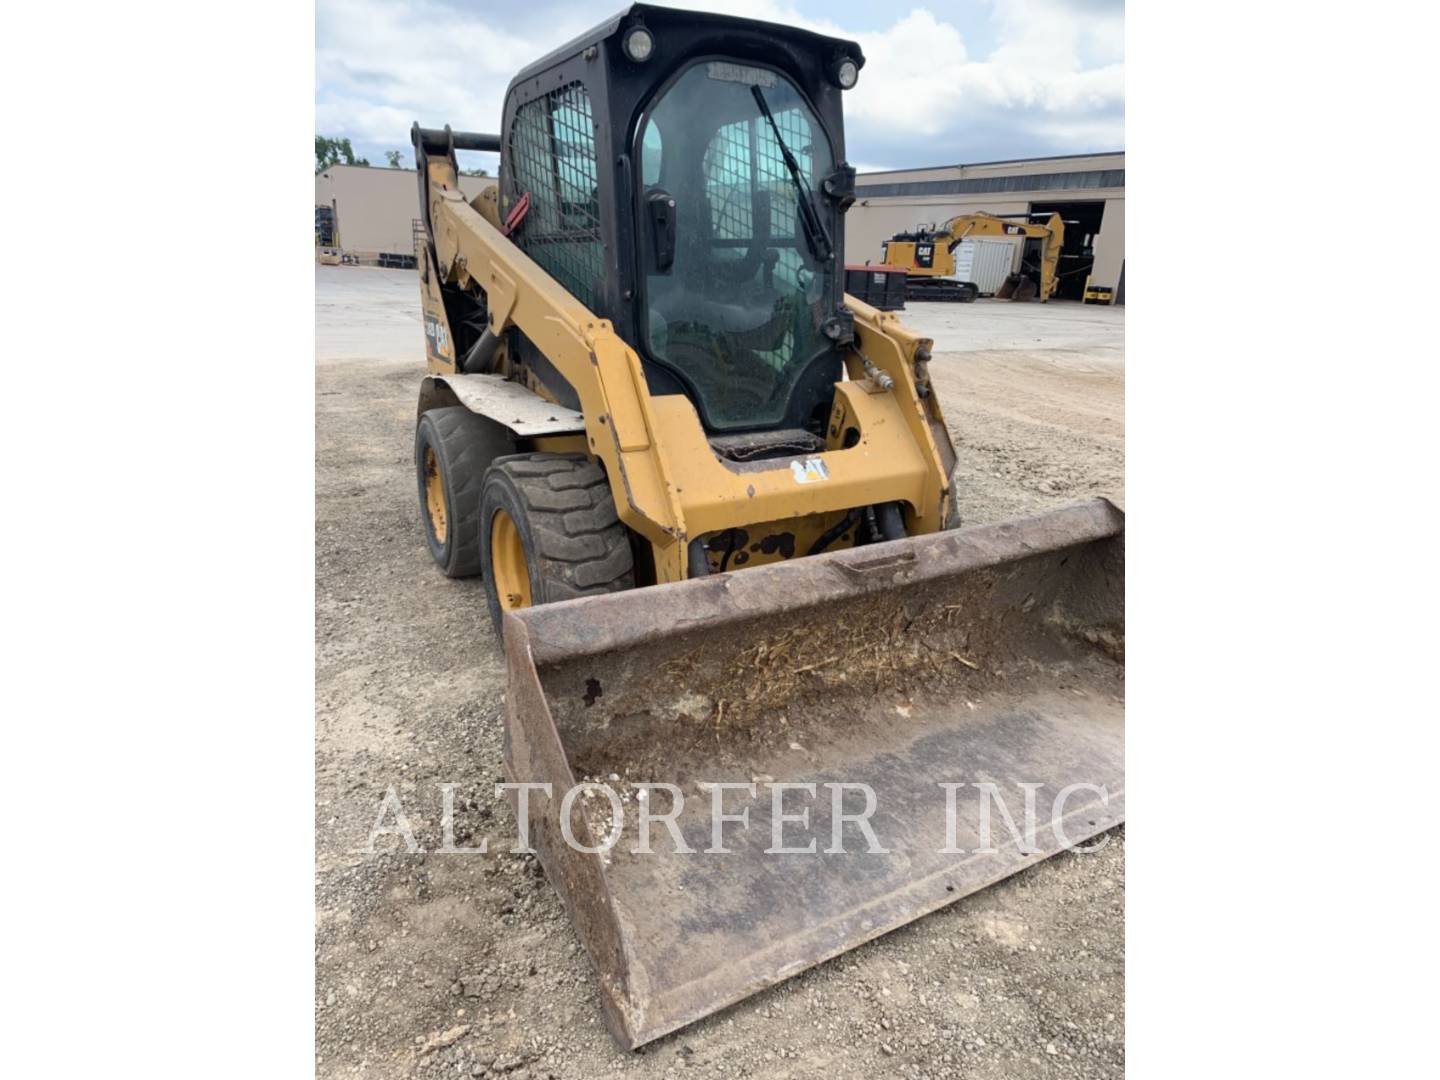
474 172
330 151
394 156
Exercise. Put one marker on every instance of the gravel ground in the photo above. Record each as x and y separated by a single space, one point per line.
443 966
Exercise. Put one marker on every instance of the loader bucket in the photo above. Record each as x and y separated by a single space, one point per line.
989 655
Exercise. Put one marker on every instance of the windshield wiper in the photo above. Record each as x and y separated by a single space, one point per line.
815 234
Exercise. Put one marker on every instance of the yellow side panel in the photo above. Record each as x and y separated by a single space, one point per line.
439 344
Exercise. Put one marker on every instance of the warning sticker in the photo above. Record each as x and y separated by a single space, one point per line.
809 470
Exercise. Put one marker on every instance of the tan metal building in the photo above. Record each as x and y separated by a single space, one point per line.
1087 190
375 208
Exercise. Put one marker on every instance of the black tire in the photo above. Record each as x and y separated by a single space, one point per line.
573 540
463 444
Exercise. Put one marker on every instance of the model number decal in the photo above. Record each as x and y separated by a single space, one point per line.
809 470
436 335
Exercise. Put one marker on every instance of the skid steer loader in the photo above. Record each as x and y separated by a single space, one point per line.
712 502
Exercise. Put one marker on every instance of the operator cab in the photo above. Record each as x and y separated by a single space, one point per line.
712 235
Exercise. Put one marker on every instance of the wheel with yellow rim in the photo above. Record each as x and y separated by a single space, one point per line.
511 569
549 532
453 449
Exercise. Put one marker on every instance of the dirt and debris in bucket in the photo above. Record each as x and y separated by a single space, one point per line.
822 664
716 701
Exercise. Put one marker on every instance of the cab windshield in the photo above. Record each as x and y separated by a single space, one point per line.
736 308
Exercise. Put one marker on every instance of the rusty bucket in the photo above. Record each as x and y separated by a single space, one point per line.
989 657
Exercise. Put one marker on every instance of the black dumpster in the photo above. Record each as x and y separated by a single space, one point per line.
879 285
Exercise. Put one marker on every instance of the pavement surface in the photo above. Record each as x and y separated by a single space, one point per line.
465 965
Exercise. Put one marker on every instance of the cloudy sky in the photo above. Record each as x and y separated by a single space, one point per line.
945 81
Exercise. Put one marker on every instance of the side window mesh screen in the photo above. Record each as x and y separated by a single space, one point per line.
743 160
552 156
740 152
728 169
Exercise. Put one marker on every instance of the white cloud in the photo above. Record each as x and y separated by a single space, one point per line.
1054 80
921 81
1054 35
380 65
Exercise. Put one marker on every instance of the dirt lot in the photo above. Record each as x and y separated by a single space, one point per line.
415 950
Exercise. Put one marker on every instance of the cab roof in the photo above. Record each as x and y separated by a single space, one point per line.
657 18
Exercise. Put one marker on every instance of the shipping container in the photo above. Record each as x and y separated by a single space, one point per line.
985 262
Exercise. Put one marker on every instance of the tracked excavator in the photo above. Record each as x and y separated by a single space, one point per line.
713 503
927 255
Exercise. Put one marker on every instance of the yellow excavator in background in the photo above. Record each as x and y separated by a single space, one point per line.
927 255
713 502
